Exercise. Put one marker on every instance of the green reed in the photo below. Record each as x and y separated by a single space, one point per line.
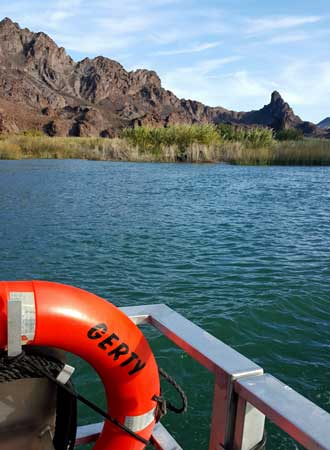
189 143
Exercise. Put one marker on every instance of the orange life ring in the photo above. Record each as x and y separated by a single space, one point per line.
79 322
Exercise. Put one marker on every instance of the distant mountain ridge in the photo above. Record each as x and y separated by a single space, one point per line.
42 87
324 123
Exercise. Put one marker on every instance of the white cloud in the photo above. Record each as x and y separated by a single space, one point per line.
58 16
164 37
268 24
306 83
196 49
207 66
93 44
40 16
127 25
201 81
288 38
235 90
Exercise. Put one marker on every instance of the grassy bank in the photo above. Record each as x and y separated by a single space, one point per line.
186 143
309 152
21 147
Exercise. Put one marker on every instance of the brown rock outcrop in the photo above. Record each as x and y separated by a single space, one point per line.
42 87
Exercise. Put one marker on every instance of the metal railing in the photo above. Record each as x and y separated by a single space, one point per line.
243 394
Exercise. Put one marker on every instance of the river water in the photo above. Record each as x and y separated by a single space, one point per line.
244 252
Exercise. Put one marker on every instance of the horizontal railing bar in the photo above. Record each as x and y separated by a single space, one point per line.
304 421
140 315
88 433
161 438
202 346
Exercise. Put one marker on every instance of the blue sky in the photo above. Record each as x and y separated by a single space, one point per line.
222 52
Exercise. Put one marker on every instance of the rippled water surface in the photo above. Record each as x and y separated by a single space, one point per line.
242 251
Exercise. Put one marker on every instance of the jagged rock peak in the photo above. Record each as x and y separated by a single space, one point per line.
102 62
6 22
277 98
146 76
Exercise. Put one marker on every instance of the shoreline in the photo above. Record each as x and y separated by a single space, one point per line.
181 149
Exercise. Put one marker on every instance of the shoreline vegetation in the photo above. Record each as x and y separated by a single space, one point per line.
178 143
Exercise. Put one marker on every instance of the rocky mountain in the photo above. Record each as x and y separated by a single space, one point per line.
42 87
325 123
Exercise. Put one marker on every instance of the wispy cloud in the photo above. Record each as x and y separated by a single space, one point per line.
127 25
41 16
93 45
201 79
268 24
166 37
62 10
207 66
203 68
196 49
306 82
230 89
288 38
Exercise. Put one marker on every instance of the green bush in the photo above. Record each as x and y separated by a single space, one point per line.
34 132
254 137
291 134
152 138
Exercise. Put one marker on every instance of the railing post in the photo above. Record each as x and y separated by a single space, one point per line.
222 416
249 426
235 425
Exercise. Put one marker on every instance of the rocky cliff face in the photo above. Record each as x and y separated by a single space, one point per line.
42 87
